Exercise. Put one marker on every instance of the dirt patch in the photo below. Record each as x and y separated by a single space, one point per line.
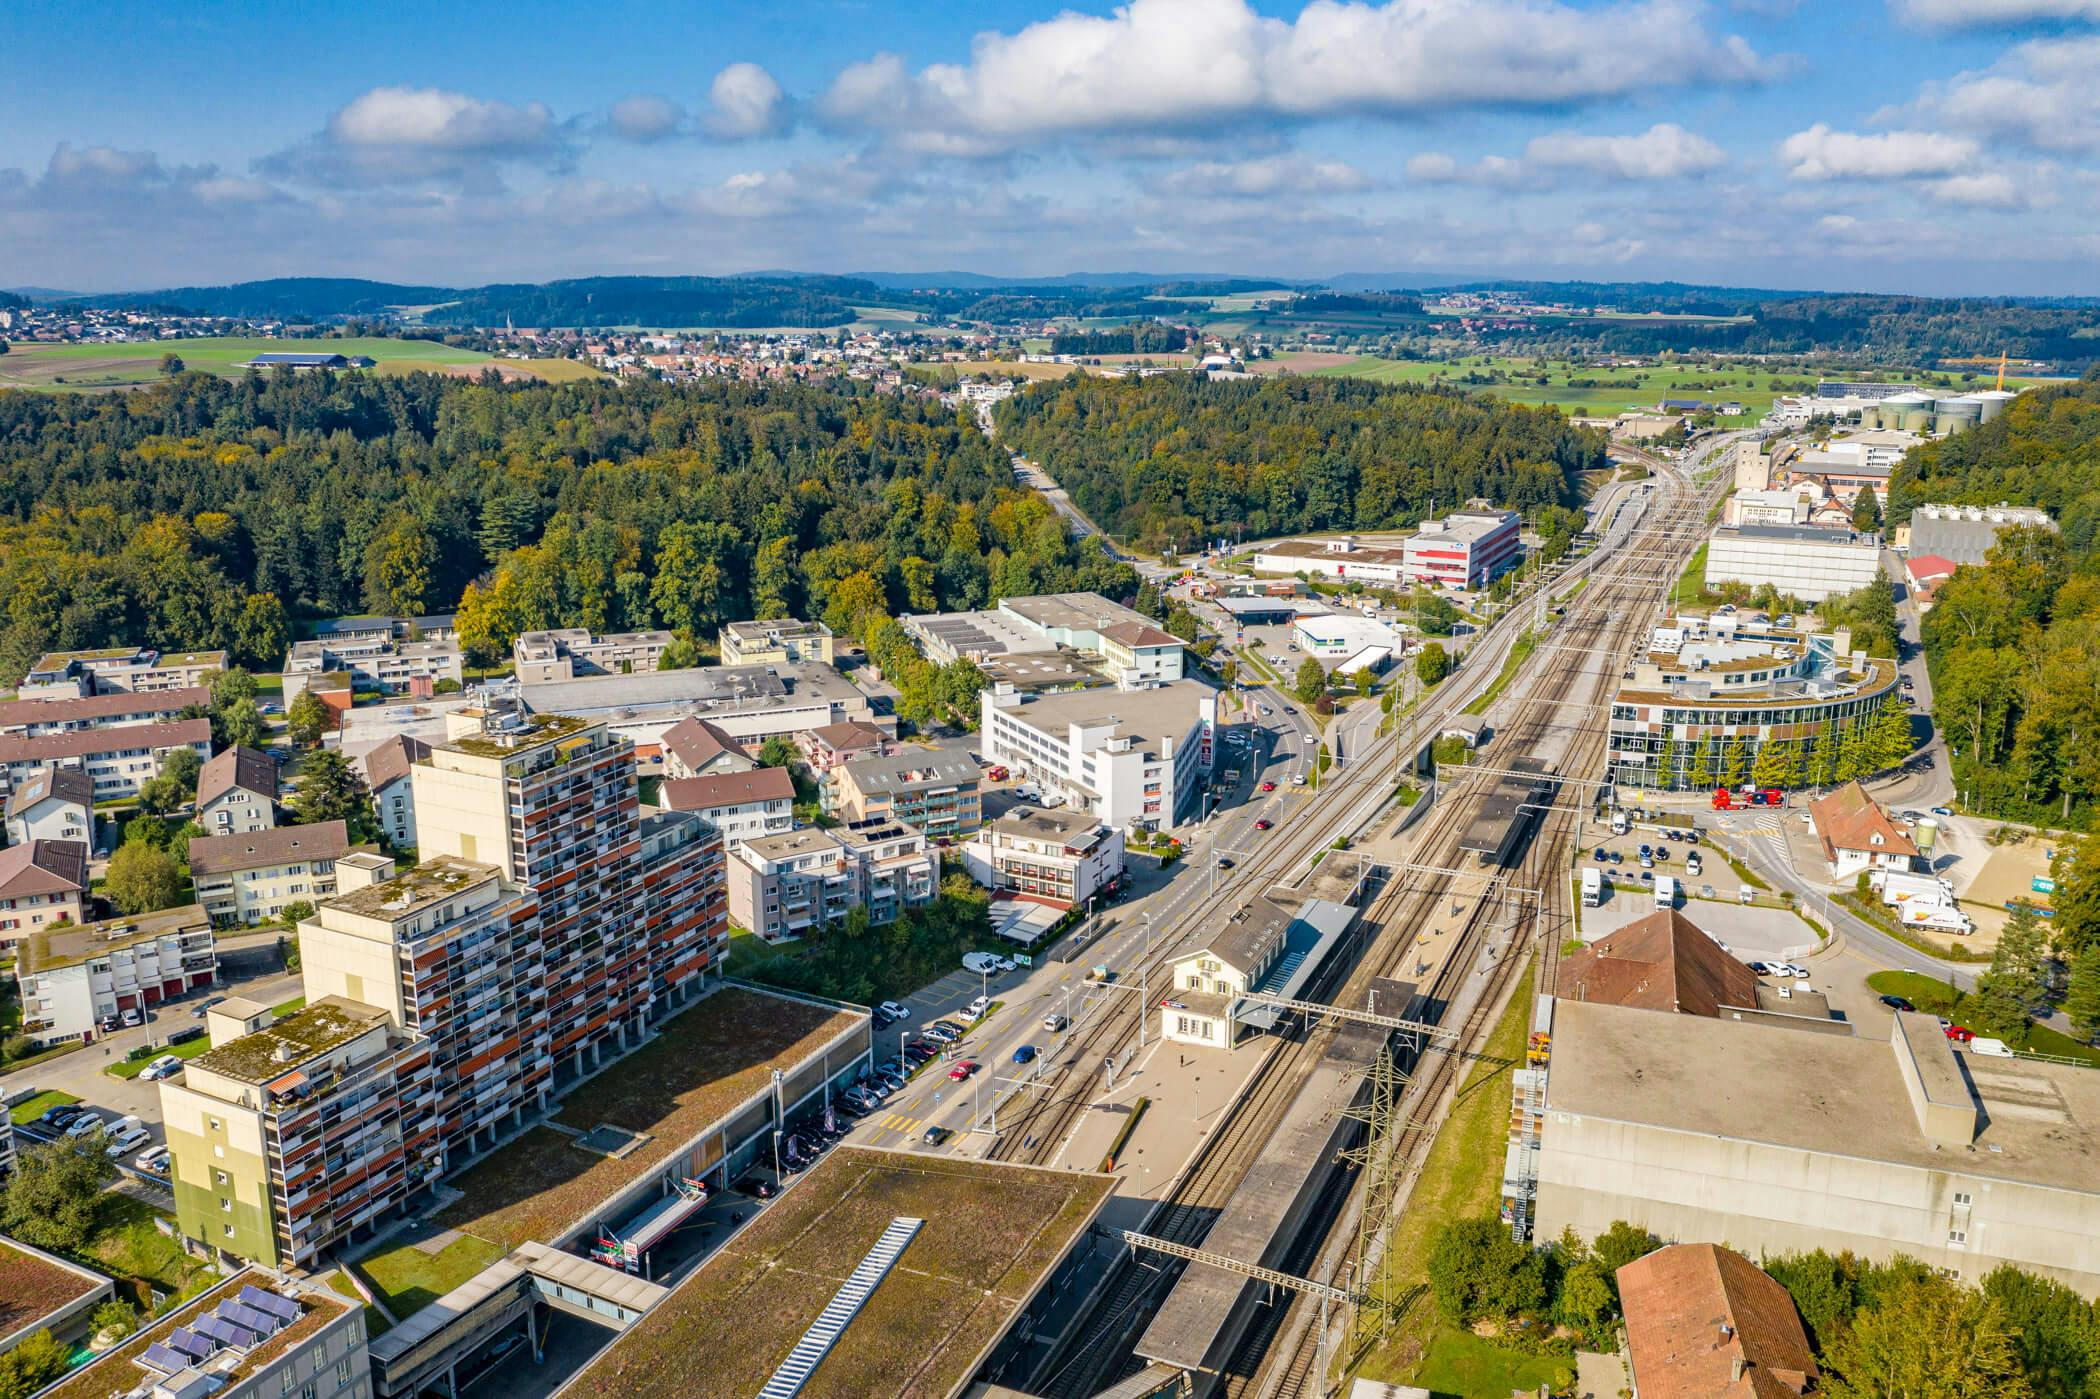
2009 874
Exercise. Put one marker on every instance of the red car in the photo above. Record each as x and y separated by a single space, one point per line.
1263 824
963 1070
1960 1034
1268 786
997 774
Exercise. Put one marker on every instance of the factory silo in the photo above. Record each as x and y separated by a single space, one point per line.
1957 414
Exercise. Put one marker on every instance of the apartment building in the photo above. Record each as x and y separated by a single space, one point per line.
550 800
237 792
1060 858
299 1136
33 718
133 669
53 803
117 761
82 979
1125 644
824 749
931 791
41 883
740 805
1134 758
247 879
374 661
781 886
778 641
568 652
387 776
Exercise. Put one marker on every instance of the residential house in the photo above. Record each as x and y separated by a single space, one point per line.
98 976
777 641
374 660
844 742
41 883
53 803
116 709
1704 1322
695 748
568 652
930 790
247 879
741 805
1857 834
117 761
237 792
388 777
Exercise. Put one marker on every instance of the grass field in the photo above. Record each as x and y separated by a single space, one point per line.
33 1108
1935 997
132 1068
129 365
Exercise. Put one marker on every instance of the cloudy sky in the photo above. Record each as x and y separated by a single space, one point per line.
1899 145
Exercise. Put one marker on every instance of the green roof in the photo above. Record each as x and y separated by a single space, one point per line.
434 879
49 948
540 729
308 1034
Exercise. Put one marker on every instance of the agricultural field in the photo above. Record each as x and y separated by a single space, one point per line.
90 367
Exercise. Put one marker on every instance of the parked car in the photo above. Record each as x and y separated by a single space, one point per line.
1055 1023
1600 854
1960 1034
203 1006
63 1116
1263 824
964 1070
154 1162
977 1007
890 1010
1943 811
980 963
757 1187
1006 964
161 1068
1897 1003
124 1143
84 1125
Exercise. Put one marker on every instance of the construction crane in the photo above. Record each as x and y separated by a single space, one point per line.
2001 371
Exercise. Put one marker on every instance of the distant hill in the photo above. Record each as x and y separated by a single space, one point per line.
281 298
662 301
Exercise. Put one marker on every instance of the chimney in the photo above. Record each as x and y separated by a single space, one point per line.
1735 1370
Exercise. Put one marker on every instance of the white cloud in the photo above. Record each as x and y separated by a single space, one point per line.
101 163
1820 153
1264 177
1957 14
436 119
1665 151
2043 94
1991 189
1180 63
744 102
645 117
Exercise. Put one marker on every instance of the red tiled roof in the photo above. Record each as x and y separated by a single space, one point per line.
1660 962
726 789
1696 1311
43 867
1849 819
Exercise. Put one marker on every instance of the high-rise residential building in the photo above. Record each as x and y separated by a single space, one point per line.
551 801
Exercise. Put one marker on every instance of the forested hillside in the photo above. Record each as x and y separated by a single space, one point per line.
202 512
2015 644
1174 460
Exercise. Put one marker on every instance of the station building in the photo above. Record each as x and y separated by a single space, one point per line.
1264 949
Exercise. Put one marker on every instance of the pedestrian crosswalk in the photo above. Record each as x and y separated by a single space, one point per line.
1770 830
899 1122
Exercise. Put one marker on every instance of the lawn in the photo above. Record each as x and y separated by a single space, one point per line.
132 1068
1691 584
1462 1177
131 1248
377 1323
284 1008
42 1103
120 366
1935 997
1460 1363
408 1279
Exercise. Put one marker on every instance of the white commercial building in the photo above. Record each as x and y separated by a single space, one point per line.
1131 757
1809 564
1060 858
1132 650
1348 643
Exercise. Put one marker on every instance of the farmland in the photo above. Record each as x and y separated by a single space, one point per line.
128 365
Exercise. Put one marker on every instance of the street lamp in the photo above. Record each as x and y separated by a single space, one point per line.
776 1153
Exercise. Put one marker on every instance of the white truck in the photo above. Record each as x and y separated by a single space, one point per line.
1592 888
1946 918
1666 891
1899 888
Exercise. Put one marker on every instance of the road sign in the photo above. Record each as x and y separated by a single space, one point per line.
1022 959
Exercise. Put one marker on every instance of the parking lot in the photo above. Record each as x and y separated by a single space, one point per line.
1757 931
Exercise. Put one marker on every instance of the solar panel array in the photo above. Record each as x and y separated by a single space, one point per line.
240 1322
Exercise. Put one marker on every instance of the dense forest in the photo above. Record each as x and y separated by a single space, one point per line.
205 512
1374 303
280 298
1140 338
1174 460
2014 645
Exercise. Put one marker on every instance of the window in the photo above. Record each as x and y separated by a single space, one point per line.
1957 1237
225 1205
1961 1199
226 1229
219 1177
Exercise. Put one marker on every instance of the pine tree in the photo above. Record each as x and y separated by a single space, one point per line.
1769 767
2082 999
1702 765
1732 764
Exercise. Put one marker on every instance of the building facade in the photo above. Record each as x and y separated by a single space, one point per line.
53 803
115 709
934 792
247 879
739 805
388 777
131 669
117 761
81 980
1964 534
778 641
1465 549
781 886
1060 858
1800 561
237 793
374 661
1134 758
42 883
1709 694
568 652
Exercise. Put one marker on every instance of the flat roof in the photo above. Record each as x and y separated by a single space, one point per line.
1504 808
982 633
1742 1082
1035 823
1073 611
536 730
783 628
1037 670
993 1233
703 1064
117 1371
32 1287
49 948
415 888
306 1034
1152 716
703 691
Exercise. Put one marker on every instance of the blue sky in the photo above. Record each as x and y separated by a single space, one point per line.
1938 146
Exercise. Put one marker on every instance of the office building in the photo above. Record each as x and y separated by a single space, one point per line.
237 792
92 977
1881 1144
778 641
1345 644
1344 559
1964 534
115 709
781 886
117 669
388 769
253 878
373 660
1133 758
568 652
1800 562
42 882
117 761
1465 549
297 1137
931 791
1059 858
740 805
550 800
53 803
1126 646
1708 693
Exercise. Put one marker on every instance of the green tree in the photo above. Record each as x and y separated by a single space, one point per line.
113 1318
307 718
160 795
1825 1288
34 1363
1732 764
1769 768
1477 1270
2076 869
1702 773
1229 671
681 654
1311 682
2056 1333
1866 511
773 579
296 912
171 364
1621 1244
239 724
398 566
261 634
778 752
1432 664
51 1199
230 684
330 789
2082 997
1586 1299
181 766
1926 1338
142 877
1364 680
